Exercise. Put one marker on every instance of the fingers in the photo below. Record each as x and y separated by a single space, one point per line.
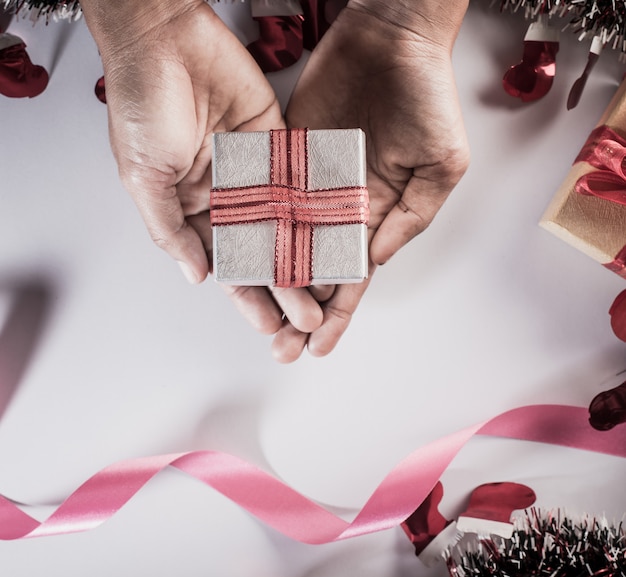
321 293
154 147
266 308
171 231
338 311
291 314
412 214
299 306
296 319
201 224
289 342
257 306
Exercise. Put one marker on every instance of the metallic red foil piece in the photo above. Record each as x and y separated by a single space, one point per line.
605 150
426 522
19 77
497 501
532 78
100 90
282 39
618 316
608 409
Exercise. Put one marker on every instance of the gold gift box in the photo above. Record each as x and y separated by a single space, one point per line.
595 226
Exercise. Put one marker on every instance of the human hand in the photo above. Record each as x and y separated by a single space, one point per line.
174 75
386 68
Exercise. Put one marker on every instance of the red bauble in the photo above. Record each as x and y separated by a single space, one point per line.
19 77
618 316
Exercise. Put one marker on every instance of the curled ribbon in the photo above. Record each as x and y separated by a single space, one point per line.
399 494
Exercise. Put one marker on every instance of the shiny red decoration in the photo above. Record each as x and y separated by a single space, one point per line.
605 150
19 77
490 502
532 78
608 409
100 90
283 38
426 522
280 43
618 316
498 501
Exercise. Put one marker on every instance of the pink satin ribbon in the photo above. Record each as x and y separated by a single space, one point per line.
289 200
394 500
605 150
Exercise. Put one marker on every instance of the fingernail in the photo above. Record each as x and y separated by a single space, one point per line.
187 272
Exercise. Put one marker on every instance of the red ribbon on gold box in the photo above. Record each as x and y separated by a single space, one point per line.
589 209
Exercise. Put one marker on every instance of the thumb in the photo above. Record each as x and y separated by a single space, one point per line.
154 141
409 217
163 215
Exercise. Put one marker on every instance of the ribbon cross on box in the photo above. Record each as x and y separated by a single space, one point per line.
289 208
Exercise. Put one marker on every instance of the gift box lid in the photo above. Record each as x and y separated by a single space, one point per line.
244 253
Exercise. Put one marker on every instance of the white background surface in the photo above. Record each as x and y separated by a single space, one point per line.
106 353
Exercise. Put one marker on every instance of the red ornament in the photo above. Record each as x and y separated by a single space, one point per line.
100 90
618 316
282 38
19 77
426 522
280 43
608 408
532 78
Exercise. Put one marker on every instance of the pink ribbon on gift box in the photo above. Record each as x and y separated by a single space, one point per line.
605 150
297 209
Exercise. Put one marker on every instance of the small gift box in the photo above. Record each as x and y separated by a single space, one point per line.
589 209
289 208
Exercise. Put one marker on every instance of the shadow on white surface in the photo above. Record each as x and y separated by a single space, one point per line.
29 304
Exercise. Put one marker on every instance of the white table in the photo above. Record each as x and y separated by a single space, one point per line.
111 355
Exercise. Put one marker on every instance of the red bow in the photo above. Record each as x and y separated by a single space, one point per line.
606 151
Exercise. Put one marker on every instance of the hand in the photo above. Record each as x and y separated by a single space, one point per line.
174 74
388 71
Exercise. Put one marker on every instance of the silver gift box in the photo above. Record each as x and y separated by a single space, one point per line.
243 254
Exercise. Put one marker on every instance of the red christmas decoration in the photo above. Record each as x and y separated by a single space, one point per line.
19 77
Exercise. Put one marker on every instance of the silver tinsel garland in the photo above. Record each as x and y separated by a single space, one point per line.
605 19
46 9
545 545
63 9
